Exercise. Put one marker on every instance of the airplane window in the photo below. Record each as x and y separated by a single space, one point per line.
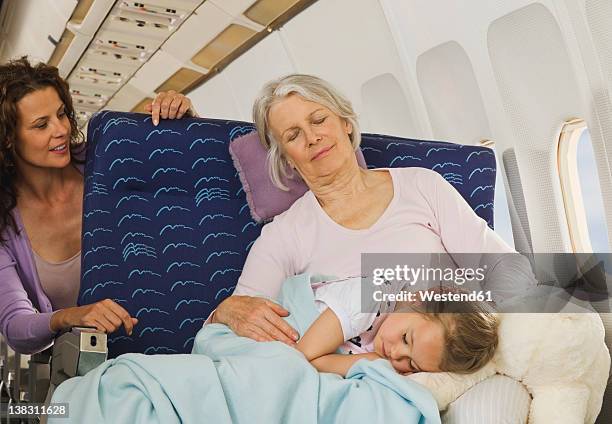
591 194
581 190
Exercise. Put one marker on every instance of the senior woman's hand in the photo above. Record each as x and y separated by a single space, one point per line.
256 318
169 105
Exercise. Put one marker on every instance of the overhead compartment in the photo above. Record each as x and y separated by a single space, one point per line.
152 74
26 31
126 98
126 39
87 100
84 22
146 20
220 47
233 7
221 32
104 69
204 25
260 12
157 45
88 16
181 80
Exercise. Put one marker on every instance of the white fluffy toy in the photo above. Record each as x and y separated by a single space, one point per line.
562 360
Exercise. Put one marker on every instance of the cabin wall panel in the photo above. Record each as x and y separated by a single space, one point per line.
539 92
126 98
599 18
252 70
591 21
329 40
362 47
452 96
330 51
155 71
29 28
385 108
216 99
204 25
420 25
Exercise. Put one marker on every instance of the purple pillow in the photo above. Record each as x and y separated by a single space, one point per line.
264 198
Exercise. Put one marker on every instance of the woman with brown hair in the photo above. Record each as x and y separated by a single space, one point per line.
41 195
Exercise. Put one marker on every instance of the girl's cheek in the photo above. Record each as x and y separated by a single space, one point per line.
399 367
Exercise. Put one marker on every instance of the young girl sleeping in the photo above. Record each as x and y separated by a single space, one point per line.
413 336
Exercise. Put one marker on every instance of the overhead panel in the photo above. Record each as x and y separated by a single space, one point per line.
81 11
229 40
233 7
61 48
24 30
6 12
126 98
84 22
94 70
128 37
226 29
140 107
87 101
264 12
207 22
452 95
120 53
180 80
236 9
163 72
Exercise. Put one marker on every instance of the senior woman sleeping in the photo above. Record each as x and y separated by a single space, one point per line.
309 128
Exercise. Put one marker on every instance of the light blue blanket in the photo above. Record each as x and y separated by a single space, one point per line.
231 379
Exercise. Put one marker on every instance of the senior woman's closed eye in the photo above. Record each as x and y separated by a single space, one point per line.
293 132
313 140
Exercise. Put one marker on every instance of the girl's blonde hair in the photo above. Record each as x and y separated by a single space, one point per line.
310 88
470 332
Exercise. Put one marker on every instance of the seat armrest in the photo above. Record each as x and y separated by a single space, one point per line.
39 375
77 352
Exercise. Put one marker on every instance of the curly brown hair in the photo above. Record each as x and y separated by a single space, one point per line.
19 78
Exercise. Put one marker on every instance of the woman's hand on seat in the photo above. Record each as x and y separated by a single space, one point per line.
256 318
105 315
169 105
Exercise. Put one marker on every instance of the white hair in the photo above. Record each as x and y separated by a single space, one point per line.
310 88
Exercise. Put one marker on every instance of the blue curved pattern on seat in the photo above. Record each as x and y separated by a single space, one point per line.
470 169
166 226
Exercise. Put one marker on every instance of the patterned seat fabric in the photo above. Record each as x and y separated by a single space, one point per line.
470 169
166 226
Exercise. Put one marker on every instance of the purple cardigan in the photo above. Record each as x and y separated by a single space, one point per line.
25 309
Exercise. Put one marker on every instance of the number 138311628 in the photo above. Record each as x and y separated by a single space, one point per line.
34 410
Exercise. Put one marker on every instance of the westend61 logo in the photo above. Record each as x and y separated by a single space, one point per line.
510 280
411 275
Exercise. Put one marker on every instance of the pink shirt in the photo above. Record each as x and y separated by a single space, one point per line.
426 214
359 325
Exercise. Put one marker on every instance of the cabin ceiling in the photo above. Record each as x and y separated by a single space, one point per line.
119 54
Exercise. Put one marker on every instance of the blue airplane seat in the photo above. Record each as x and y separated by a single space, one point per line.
166 226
